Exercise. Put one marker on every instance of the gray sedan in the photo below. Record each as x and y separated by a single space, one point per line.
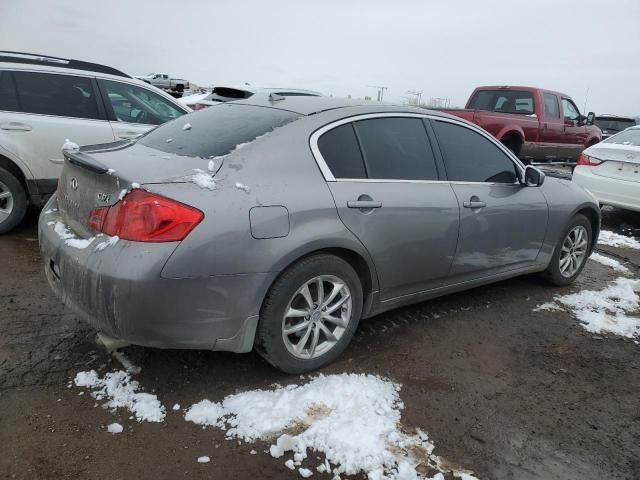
279 225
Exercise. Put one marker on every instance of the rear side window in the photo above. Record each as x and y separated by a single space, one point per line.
504 101
470 157
551 109
340 150
628 137
53 94
8 94
217 130
397 148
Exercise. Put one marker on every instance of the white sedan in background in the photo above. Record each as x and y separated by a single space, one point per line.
610 170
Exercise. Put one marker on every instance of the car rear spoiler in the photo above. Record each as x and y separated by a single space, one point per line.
85 161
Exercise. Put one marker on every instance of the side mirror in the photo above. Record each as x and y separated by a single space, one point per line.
591 118
533 177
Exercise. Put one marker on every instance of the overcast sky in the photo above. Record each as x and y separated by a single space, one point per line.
444 48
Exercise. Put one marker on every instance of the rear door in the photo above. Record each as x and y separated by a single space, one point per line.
52 108
134 110
502 223
388 193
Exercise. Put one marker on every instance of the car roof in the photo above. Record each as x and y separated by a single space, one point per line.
312 105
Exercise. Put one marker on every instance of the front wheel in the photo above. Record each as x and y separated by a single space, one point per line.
310 314
571 253
13 201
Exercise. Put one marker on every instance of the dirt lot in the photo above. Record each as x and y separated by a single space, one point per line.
501 390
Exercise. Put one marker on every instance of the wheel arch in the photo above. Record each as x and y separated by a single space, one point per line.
512 133
362 265
594 219
15 169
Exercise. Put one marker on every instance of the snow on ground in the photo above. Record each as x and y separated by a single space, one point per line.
615 309
609 262
115 428
204 459
120 391
616 240
353 419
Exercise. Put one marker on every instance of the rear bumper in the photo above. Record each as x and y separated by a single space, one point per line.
119 291
608 191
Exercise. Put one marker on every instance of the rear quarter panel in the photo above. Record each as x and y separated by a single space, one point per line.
276 170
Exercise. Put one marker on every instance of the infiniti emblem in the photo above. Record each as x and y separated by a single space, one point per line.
74 183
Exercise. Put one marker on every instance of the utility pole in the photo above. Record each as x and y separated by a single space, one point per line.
380 91
417 96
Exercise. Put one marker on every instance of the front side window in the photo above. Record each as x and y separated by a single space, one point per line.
53 94
341 152
471 157
551 106
134 104
8 94
570 110
504 101
396 148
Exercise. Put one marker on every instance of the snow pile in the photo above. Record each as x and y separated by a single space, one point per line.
70 146
114 428
204 459
120 392
616 240
354 420
109 242
187 126
244 188
203 179
191 99
607 310
69 238
609 262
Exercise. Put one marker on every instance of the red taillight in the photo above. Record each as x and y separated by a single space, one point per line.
584 159
142 216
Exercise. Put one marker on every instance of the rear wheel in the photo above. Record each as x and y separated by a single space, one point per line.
571 253
310 314
13 201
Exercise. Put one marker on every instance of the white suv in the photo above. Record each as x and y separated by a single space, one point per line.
46 100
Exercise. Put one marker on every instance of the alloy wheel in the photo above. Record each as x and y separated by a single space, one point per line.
317 317
574 251
6 202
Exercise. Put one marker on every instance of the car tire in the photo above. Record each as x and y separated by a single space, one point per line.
293 353
13 201
554 272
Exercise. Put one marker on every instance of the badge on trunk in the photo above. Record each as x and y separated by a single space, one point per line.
74 183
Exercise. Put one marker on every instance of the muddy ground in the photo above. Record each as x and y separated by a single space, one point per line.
500 389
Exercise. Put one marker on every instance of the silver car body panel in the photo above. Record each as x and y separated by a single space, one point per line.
207 291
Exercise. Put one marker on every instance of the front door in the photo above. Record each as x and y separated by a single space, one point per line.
574 129
502 223
387 192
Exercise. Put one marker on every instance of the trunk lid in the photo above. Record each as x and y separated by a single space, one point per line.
99 177
620 161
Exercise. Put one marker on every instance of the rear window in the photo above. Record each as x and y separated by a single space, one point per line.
628 137
216 130
504 101
8 94
614 124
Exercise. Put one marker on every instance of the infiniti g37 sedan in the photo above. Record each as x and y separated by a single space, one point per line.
280 225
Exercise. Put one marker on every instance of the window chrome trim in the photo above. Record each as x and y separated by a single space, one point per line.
329 177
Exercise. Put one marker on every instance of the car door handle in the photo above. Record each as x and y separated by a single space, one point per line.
16 127
364 204
474 204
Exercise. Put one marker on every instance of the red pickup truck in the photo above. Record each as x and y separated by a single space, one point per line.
535 124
